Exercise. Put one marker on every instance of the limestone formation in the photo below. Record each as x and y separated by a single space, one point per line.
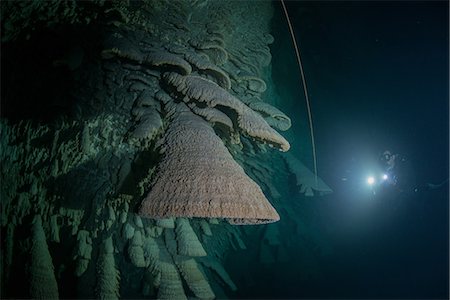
187 241
151 107
198 177
198 89
272 115
206 229
108 279
166 223
218 268
54 228
195 278
42 282
308 182
159 58
128 231
84 252
205 66
213 115
171 286
136 251
150 124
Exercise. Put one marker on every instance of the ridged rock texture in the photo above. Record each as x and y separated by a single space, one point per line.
196 169
133 134
42 274
195 88
108 279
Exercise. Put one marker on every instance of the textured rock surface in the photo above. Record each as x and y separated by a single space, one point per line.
42 277
108 275
196 169
205 91
92 127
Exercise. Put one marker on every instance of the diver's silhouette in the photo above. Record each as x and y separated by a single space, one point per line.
400 174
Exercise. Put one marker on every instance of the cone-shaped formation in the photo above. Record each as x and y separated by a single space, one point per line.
43 283
195 278
198 177
108 277
187 240
305 178
216 266
170 286
206 229
136 251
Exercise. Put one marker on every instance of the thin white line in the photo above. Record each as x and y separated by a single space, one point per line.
305 90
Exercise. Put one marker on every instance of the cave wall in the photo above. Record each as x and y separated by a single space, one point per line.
133 134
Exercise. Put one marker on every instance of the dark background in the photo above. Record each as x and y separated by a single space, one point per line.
377 74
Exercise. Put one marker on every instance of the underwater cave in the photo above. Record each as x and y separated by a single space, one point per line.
148 151
136 137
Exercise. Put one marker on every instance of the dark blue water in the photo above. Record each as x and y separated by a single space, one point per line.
377 75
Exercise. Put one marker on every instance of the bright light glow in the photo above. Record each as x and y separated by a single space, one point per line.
384 177
370 180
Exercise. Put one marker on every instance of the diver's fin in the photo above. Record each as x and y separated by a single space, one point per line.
432 186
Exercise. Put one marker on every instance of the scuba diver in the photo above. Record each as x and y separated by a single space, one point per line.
399 175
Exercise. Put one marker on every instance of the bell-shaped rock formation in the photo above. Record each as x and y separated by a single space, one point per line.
198 177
